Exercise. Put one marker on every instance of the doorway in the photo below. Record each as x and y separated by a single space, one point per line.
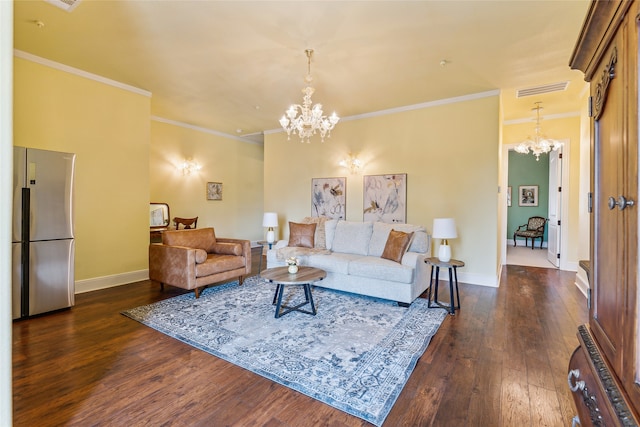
552 209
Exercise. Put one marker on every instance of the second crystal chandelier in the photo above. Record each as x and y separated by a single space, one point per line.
539 144
307 119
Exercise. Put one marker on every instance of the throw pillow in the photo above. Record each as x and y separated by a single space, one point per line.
301 235
226 248
201 256
320 235
397 244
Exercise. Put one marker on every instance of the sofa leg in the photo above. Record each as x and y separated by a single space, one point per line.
241 280
404 304
197 291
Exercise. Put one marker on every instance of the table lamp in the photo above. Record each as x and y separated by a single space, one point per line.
444 228
270 220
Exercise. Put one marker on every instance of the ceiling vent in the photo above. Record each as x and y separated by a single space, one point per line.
67 5
538 90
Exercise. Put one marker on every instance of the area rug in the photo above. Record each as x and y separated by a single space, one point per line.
356 354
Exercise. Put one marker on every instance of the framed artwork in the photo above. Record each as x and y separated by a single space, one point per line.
214 191
385 198
328 197
528 195
509 196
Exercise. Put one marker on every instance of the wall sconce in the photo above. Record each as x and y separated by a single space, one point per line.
352 163
189 166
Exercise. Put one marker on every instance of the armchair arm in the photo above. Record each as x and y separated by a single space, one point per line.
173 265
246 250
522 227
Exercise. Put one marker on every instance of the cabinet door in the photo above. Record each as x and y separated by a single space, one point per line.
615 224
608 229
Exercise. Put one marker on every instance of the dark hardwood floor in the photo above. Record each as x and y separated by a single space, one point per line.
501 361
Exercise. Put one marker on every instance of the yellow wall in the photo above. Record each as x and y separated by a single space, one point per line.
448 150
108 129
236 164
560 129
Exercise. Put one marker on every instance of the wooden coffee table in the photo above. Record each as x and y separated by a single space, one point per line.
304 277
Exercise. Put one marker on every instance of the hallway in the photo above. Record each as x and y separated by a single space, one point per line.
525 256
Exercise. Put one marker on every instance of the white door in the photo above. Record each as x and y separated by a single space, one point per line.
555 206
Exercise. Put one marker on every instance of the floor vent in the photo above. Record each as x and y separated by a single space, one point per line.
67 5
538 90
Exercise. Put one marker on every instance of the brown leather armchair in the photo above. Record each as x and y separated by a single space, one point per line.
193 259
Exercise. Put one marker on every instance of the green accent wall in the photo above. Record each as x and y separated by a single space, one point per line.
525 170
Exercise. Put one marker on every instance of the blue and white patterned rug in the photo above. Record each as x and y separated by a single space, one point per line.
356 354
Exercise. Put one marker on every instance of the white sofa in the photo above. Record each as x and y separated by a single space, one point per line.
351 258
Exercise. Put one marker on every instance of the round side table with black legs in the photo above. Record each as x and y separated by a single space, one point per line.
452 265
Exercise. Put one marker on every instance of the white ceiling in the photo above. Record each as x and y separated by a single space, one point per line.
236 66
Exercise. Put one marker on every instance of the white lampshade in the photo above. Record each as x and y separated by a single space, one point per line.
444 228
270 219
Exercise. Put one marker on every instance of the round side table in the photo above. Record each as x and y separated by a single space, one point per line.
452 265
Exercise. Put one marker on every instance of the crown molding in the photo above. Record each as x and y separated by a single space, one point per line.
202 129
412 107
58 66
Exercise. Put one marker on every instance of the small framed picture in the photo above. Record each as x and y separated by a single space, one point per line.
509 196
528 195
214 191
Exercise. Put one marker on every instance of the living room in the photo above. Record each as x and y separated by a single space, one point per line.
450 150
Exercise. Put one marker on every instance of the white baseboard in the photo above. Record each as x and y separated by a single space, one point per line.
471 278
582 284
96 283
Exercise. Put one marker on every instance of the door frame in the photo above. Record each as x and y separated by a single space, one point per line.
564 215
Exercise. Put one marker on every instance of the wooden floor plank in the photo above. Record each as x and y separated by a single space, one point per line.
500 361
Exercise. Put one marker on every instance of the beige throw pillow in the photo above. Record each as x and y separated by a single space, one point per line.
397 244
320 238
301 235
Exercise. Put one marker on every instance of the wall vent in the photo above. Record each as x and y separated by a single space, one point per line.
538 90
67 5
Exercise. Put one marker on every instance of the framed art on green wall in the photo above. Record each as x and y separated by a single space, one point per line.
528 195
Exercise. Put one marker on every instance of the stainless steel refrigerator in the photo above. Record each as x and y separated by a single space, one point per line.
42 239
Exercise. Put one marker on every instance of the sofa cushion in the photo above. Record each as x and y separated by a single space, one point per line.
397 244
319 238
335 263
330 231
380 268
301 234
199 238
381 232
226 248
216 263
352 237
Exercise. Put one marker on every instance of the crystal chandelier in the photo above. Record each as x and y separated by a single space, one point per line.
307 119
539 144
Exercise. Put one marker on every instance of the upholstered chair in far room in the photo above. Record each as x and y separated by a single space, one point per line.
193 259
533 229
187 223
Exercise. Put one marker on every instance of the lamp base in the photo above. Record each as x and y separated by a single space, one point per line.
444 253
271 236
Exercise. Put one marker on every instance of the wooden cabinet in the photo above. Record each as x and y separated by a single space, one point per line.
604 370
